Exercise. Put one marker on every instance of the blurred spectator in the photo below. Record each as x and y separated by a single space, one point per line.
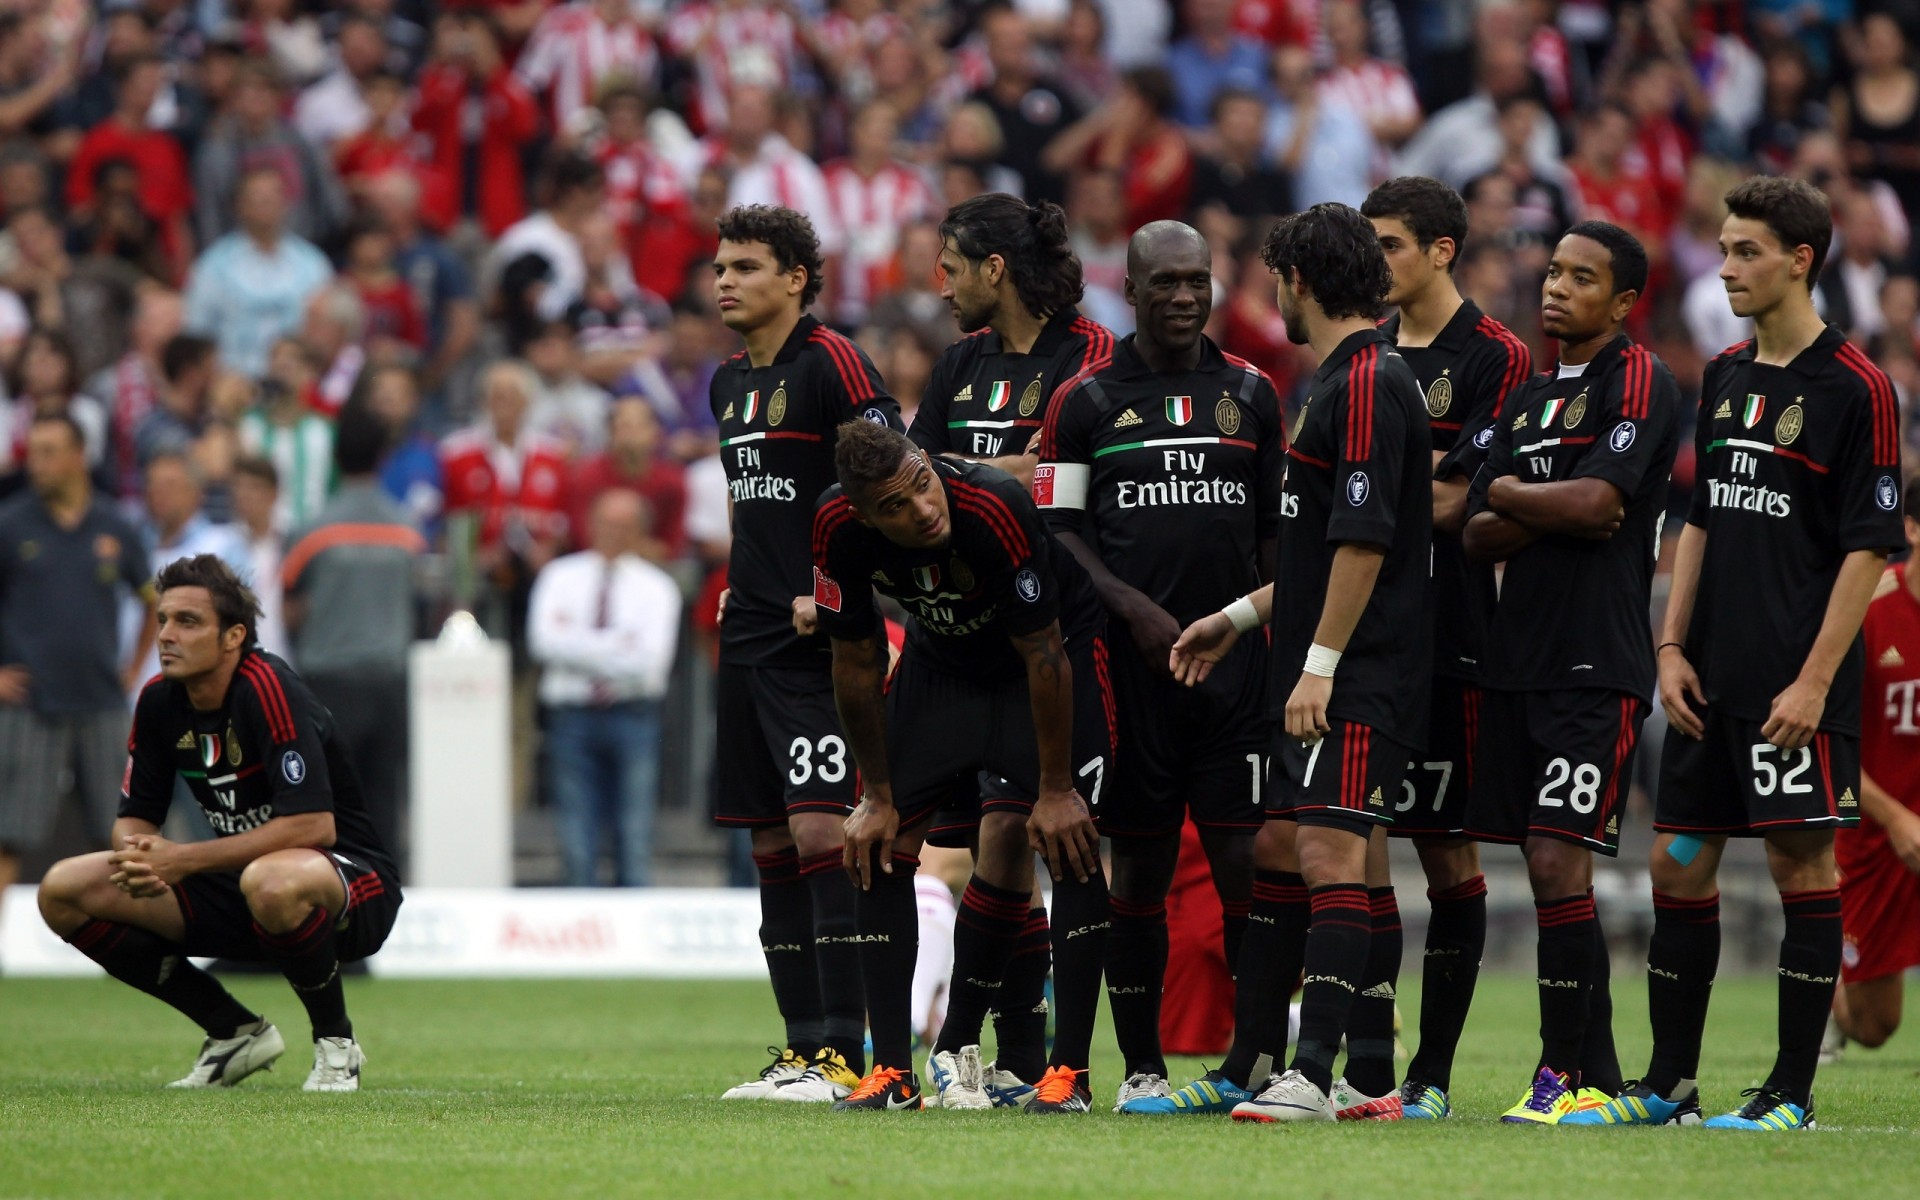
438 279
635 460
847 41
1250 325
762 167
1661 148
1211 58
734 42
1604 189
970 149
395 323
579 47
386 143
334 335
1822 162
130 387
1542 208
35 73
406 40
645 195
44 382
1084 69
1133 134
679 391
66 560
1380 91
1028 106
512 482
250 139
476 118
874 196
177 525
284 429
1233 184
1324 148
604 623
1858 269
565 407
125 36
615 321
1097 213
165 193
348 583
1790 108
410 471
252 286
536 266
290 38
336 107
179 416
88 299
1880 117
256 495
1695 242
1463 139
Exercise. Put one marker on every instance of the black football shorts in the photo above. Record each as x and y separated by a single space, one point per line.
1734 782
220 925
1554 764
778 747
1343 781
1433 797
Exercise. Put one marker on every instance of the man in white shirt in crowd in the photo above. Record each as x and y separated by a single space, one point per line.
603 624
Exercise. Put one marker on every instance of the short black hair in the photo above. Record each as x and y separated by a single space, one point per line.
258 467
182 353
1031 239
359 440
233 601
1428 208
867 453
1338 256
1154 84
66 421
1628 256
1796 212
571 172
788 234
1232 94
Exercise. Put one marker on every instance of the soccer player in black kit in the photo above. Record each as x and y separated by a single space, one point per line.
1003 672
1161 473
1795 510
784 770
1467 364
1012 281
295 876
1571 498
1352 653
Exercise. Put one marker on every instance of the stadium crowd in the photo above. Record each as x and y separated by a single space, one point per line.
325 285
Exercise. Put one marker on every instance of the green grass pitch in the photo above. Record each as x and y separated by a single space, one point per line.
536 1089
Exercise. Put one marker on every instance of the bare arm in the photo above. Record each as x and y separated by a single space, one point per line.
1489 537
859 693
1679 683
1795 716
146 864
1450 504
1356 567
1060 828
1900 822
1588 508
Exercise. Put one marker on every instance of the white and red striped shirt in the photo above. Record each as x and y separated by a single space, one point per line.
776 174
1376 89
746 40
639 181
850 44
573 51
872 211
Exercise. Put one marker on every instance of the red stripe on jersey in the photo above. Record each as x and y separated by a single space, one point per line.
775 435
1294 452
1360 374
273 699
826 523
1886 412
1632 390
847 361
1732 350
1049 430
1519 360
996 513
1263 377
1099 343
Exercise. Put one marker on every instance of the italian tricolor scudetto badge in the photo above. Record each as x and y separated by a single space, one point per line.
1179 409
753 406
997 399
1756 404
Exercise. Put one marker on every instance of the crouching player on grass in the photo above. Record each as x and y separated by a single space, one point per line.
296 876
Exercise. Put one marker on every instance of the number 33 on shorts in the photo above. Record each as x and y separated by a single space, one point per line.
826 758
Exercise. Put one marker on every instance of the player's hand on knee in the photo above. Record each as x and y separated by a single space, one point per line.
1795 715
1679 683
1061 830
1307 708
1199 646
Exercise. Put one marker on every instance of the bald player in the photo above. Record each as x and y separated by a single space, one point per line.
1160 472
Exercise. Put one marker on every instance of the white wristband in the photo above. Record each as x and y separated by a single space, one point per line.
1243 614
1321 661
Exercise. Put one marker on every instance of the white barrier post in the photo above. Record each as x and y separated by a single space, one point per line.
459 706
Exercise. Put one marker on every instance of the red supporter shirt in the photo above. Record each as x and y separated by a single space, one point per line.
508 119
1889 716
392 311
165 192
664 489
518 487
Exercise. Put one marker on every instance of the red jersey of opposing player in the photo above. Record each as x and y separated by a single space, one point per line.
1879 896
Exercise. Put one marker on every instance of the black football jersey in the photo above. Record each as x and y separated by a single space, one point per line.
1360 470
1173 478
1798 467
999 576
1466 375
983 400
268 751
778 425
1573 612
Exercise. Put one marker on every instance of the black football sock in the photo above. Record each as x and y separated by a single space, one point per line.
1456 939
151 964
1270 955
1136 978
1338 934
786 941
1081 919
984 933
836 957
1020 1022
1682 960
1233 931
1370 1022
1599 1059
889 947
309 958
1565 980
1809 965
